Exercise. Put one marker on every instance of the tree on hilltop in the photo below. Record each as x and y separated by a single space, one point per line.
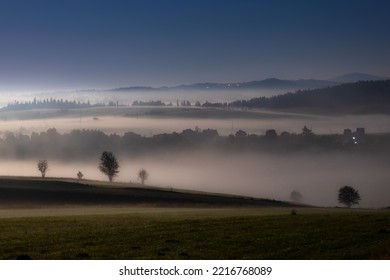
80 176
109 165
143 175
43 166
296 196
349 196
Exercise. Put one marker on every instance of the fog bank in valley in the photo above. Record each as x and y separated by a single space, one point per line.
316 177
151 125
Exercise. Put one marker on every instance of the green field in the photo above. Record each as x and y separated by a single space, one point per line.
195 233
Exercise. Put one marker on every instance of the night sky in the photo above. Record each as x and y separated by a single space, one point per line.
55 45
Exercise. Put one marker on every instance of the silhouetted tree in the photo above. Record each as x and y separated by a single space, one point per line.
348 196
80 175
143 175
296 196
271 134
241 134
307 132
43 166
109 165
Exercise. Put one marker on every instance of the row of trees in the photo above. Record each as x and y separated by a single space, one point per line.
51 103
77 143
108 165
371 95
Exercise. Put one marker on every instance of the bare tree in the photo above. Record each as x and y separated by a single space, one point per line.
143 175
43 166
109 165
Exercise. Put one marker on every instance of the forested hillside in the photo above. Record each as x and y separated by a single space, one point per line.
364 96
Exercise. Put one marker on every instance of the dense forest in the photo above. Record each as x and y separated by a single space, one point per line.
83 144
148 103
366 96
53 103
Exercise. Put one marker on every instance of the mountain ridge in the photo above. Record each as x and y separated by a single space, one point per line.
362 96
356 77
269 83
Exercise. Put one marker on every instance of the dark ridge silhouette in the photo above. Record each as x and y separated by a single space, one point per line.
364 97
270 83
355 77
31 193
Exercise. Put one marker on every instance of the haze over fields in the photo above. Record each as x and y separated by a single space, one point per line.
150 125
317 178
266 173
244 76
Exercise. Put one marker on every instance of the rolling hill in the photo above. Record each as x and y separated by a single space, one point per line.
356 77
16 192
359 97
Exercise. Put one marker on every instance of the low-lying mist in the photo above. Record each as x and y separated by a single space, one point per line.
151 125
316 177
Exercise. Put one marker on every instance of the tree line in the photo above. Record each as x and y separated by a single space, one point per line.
361 97
108 165
53 103
88 143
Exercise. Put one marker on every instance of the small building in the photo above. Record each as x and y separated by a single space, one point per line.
356 137
347 132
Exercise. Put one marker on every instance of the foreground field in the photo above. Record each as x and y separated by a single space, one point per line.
172 233
62 219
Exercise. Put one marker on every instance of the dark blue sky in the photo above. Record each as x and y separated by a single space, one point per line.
101 44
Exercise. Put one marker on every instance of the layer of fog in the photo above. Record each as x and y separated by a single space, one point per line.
148 126
317 178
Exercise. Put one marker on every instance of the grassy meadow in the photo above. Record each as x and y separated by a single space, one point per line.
194 233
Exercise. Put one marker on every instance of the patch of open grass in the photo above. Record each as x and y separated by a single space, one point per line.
201 234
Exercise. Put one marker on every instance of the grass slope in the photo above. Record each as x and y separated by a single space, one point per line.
100 225
32 193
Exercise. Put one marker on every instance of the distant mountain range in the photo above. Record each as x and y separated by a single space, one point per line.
271 83
355 77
